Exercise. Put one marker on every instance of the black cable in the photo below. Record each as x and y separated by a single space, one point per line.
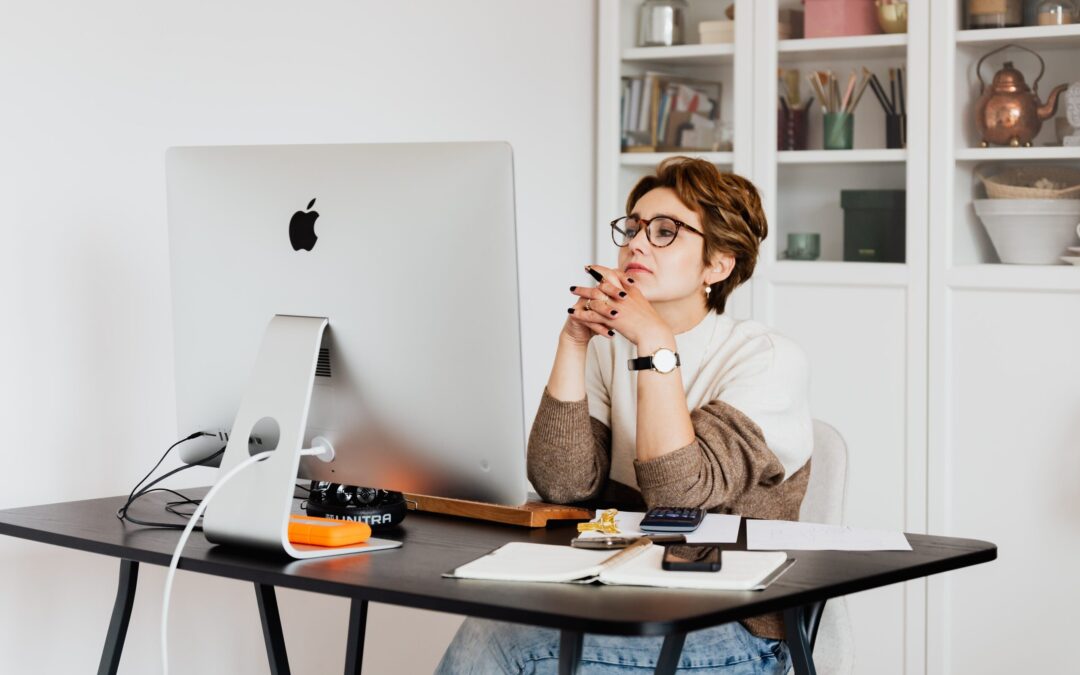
141 490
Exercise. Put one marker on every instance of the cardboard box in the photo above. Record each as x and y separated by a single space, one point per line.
833 18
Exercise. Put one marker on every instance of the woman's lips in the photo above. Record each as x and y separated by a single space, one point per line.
637 270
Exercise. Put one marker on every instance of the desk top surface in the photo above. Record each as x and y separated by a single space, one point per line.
411 575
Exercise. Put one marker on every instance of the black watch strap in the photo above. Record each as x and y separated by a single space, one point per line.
645 362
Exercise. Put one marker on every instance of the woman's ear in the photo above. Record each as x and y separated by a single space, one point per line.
722 265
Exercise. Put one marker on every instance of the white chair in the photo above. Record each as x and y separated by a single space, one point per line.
832 639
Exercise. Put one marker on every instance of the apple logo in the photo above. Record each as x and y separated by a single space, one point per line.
302 229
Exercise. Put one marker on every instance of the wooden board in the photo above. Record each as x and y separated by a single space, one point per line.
530 514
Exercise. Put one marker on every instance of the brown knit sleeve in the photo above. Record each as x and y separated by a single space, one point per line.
727 464
569 452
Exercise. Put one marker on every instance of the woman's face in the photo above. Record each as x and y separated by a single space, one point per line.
672 272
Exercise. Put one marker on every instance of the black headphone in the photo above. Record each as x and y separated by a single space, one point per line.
378 508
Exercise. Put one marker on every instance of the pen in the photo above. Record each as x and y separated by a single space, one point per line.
594 274
639 546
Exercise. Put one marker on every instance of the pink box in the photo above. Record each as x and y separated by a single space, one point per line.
831 18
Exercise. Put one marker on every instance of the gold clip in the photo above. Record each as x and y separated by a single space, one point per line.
606 524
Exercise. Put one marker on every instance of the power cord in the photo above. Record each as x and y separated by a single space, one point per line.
141 490
171 574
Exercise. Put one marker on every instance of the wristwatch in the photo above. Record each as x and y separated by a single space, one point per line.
663 360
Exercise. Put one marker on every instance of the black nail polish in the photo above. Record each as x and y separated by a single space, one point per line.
622 294
630 280
573 288
596 275
614 312
571 310
611 333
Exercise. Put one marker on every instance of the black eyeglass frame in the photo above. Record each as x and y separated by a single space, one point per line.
679 225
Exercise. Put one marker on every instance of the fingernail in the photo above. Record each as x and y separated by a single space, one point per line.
571 310
622 294
630 280
572 288
614 312
596 275
611 333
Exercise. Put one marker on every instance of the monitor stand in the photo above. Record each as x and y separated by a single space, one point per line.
252 510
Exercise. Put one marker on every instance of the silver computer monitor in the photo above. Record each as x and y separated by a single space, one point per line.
410 251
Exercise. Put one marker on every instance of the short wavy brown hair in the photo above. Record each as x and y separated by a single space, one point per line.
730 210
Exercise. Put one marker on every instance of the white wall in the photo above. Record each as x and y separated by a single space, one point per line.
93 93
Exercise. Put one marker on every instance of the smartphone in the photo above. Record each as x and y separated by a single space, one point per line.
690 558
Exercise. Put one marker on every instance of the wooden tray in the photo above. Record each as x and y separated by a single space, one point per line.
530 514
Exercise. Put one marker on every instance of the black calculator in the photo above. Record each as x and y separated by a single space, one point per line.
672 519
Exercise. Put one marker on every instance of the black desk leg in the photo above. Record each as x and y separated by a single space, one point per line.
125 598
670 653
798 630
570 651
271 625
354 651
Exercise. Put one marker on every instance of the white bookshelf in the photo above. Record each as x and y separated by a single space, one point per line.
900 351
992 354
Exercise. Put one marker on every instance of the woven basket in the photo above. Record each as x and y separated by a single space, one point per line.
1018 182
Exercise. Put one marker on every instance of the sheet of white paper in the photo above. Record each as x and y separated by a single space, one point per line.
717 528
782 535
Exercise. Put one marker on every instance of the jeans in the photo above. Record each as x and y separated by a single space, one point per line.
483 647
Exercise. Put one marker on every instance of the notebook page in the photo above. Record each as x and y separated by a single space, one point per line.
520 561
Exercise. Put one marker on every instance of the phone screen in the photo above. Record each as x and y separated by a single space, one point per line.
691 558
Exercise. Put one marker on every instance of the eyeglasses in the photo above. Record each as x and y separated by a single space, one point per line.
660 231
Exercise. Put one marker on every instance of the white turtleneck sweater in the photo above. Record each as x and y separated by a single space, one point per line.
762 374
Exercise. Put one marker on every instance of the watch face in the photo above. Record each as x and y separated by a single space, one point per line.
664 360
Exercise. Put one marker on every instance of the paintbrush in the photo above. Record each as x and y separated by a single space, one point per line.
862 88
847 92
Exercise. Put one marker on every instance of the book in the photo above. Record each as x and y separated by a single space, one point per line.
634 566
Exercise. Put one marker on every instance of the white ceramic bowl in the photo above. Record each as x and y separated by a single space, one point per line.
1030 231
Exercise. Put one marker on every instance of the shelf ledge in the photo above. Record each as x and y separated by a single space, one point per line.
654 158
867 156
858 47
1044 36
836 273
689 55
1001 277
1016 154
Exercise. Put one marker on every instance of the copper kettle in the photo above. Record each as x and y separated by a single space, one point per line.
1009 113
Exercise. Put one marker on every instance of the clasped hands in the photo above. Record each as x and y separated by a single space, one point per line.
615 305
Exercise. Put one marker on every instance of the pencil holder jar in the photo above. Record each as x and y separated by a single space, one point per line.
839 131
895 131
791 129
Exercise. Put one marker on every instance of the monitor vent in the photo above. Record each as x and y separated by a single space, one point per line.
322 368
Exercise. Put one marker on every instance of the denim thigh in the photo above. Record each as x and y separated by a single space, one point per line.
483 647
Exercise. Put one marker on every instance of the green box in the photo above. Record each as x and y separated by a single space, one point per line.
875 225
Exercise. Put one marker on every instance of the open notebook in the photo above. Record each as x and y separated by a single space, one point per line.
517 561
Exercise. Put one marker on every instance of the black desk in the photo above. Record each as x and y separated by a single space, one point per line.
410 577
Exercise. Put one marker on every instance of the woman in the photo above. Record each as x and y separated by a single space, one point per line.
728 429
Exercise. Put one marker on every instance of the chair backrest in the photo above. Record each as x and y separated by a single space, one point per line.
833 639
824 500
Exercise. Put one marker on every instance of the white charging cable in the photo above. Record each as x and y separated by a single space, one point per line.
322 448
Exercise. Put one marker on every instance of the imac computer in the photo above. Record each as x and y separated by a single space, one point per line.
357 298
